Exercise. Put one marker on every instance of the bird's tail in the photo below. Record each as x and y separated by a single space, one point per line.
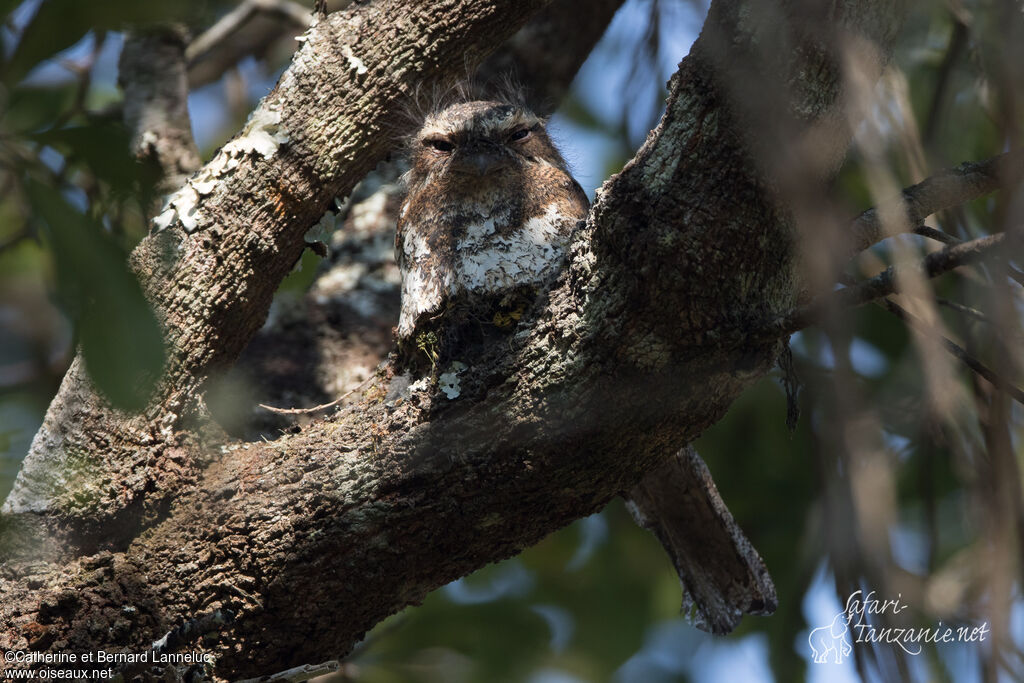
722 575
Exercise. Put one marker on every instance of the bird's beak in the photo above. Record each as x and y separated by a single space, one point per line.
479 162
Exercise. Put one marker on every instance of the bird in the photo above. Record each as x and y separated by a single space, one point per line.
490 207
484 228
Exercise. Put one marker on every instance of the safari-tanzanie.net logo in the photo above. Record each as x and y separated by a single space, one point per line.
834 643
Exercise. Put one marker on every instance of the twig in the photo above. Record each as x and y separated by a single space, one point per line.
84 74
960 308
886 283
943 190
937 235
299 673
296 13
954 50
225 26
946 238
234 20
958 351
303 411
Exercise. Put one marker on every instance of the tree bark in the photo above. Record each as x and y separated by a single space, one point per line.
236 230
289 551
152 71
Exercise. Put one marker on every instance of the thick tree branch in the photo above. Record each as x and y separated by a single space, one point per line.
548 52
151 72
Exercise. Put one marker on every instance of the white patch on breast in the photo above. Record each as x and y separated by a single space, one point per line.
484 261
421 292
476 235
421 288
487 262
414 246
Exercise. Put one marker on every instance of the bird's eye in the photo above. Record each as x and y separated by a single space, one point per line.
440 144
520 135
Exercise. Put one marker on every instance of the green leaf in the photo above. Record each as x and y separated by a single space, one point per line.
59 24
102 147
121 340
32 108
302 276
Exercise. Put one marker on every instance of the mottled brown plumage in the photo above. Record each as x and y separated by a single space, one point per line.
490 207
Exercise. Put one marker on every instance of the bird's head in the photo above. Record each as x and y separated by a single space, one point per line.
475 144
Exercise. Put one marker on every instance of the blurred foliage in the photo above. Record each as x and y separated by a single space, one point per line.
69 185
599 600
59 24
121 342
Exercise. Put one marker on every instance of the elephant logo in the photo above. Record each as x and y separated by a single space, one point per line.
832 639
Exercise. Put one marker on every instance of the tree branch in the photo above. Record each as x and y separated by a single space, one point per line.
151 71
966 310
937 235
944 190
946 238
723 577
959 352
887 282
212 272
548 52
231 23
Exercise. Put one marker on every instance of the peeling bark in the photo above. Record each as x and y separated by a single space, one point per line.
296 547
